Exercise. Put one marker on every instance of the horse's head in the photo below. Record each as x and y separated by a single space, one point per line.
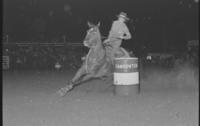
93 36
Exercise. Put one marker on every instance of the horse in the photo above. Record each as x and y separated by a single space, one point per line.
97 63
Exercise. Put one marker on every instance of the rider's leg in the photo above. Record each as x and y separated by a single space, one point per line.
116 46
125 53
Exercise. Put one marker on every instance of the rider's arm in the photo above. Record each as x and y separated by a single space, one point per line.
126 34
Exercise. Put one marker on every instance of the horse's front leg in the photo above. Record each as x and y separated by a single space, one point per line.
80 73
75 80
85 78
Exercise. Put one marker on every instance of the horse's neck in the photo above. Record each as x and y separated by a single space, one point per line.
97 50
99 44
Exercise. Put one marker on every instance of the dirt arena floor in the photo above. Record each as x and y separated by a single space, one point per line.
167 98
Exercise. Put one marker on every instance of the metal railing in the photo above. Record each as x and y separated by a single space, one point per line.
42 44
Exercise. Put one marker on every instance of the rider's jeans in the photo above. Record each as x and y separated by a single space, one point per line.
116 46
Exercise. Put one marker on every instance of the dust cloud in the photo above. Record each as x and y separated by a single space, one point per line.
184 76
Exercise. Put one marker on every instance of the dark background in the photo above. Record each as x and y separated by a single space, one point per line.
155 23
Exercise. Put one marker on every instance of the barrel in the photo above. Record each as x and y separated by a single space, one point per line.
126 76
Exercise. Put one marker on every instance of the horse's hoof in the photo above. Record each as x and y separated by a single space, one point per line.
63 91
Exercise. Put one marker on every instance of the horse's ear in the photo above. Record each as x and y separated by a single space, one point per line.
89 24
99 23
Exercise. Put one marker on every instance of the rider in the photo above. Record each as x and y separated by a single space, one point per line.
119 31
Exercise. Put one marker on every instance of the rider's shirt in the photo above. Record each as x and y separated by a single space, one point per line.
118 30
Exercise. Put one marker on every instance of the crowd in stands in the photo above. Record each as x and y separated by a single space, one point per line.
44 57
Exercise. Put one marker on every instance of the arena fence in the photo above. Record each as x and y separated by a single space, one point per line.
42 44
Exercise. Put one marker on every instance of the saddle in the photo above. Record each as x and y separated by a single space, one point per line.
119 53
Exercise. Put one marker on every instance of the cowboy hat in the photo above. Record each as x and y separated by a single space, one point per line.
123 15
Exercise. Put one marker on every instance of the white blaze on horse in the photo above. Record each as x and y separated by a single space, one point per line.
97 63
